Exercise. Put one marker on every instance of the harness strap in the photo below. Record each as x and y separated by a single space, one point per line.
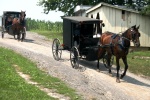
126 38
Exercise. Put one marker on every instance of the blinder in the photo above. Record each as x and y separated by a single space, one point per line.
133 34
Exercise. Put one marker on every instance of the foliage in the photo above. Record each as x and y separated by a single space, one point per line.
42 25
67 6
146 10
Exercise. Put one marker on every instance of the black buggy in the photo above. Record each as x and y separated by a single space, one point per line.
81 38
7 19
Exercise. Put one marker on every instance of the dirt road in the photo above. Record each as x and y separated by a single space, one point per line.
89 83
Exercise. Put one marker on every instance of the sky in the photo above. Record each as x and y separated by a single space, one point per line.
32 10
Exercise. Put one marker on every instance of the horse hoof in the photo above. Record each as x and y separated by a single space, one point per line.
121 76
118 80
98 70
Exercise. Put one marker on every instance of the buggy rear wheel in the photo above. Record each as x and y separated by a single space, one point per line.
74 57
2 34
56 50
3 31
105 62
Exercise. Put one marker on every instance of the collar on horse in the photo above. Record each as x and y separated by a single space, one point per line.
120 43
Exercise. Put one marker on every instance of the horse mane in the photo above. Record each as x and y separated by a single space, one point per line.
125 32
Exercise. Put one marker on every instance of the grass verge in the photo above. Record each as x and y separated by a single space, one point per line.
13 87
50 35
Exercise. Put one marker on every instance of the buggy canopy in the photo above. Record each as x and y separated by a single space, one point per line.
80 19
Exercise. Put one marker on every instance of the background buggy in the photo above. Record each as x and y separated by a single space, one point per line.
7 19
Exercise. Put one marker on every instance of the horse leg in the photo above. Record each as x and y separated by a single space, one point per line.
118 68
14 33
101 53
126 66
108 61
23 35
18 35
98 65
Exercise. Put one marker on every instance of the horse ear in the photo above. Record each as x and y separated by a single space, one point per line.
133 27
138 27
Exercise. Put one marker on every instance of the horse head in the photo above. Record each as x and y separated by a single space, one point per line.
134 34
22 15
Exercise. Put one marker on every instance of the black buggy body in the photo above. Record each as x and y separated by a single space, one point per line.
81 36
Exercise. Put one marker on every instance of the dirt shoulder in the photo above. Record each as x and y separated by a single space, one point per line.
89 83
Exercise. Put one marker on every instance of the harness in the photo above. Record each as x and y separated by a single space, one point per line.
120 43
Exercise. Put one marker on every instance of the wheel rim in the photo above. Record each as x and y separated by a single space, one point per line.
2 35
56 49
74 57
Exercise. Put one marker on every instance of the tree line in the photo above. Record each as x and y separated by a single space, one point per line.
67 6
42 25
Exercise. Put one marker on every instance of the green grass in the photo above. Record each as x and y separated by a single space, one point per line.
50 35
13 87
137 66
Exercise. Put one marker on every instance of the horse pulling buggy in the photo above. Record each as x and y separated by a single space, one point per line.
81 38
13 23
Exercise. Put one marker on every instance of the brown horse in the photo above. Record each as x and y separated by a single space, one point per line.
118 45
18 26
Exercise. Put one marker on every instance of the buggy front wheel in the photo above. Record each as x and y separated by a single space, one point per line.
74 57
56 50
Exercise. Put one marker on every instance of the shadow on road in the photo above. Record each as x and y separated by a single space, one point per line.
29 40
134 81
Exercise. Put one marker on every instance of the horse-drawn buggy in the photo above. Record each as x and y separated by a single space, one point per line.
81 38
13 23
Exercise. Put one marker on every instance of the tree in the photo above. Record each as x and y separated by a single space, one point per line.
67 6
146 10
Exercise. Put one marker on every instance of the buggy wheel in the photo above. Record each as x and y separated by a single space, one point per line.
56 50
2 34
105 62
74 57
